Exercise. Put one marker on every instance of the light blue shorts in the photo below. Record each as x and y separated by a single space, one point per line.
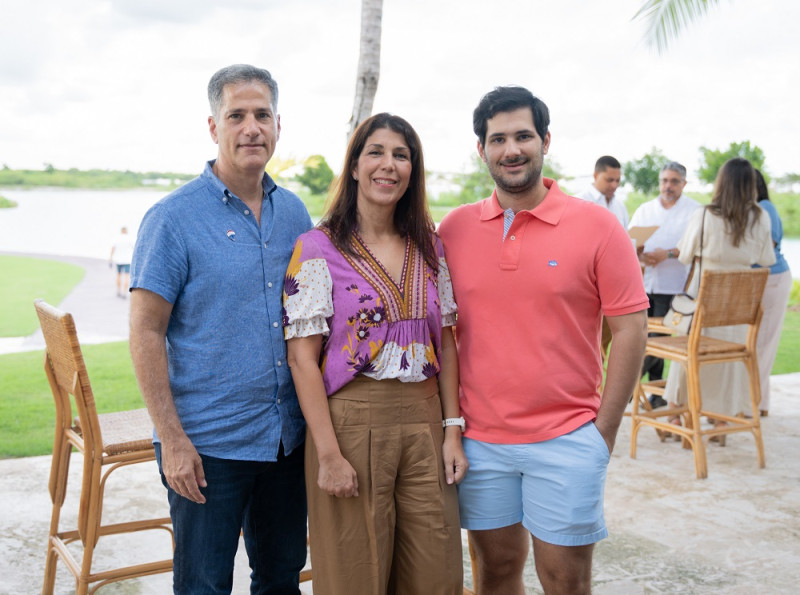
554 487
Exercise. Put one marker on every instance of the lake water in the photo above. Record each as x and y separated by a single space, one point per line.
85 222
71 222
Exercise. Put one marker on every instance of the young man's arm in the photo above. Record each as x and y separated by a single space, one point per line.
180 462
629 335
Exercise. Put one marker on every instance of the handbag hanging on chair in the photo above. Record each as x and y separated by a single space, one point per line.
682 307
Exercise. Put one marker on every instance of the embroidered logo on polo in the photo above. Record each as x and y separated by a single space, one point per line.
552 263
231 235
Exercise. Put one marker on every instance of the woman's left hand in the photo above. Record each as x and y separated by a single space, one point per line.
455 461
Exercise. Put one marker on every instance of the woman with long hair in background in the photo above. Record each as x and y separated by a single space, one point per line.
736 236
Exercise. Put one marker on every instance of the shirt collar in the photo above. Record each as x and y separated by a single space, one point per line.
549 210
222 192
599 197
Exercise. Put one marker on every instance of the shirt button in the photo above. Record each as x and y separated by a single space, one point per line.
225 199
513 237
275 324
279 401
280 363
265 244
246 212
269 284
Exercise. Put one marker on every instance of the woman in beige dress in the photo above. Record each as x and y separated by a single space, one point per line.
736 236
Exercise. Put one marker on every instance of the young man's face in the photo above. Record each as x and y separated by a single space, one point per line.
246 127
513 150
607 181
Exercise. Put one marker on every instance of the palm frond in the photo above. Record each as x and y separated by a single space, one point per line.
667 18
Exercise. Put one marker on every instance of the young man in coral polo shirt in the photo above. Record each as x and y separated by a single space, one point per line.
534 271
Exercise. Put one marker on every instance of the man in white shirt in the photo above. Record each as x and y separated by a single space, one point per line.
607 176
664 275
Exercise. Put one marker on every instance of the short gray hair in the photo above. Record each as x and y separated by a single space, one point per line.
235 74
677 168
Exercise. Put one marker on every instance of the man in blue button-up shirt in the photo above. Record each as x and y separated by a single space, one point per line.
209 355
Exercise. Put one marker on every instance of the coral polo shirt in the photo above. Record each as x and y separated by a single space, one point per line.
530 309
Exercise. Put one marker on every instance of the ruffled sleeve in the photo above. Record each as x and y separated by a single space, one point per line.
307 291
447 300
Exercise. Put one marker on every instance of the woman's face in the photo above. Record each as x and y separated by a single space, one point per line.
383 169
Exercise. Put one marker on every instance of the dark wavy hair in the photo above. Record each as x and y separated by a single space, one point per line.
509 99
734 197
411 215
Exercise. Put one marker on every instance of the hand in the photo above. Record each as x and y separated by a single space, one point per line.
609 436
183 469
337 477
654 257
455 461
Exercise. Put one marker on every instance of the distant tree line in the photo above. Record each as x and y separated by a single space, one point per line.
642 173
91 178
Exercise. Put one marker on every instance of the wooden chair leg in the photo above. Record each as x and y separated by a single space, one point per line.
59 473
755 401
695 405
473 563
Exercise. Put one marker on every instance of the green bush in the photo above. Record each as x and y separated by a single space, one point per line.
6 203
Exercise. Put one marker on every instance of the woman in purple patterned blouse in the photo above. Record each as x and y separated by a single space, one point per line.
368 317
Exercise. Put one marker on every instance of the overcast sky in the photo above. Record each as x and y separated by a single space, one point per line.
122 83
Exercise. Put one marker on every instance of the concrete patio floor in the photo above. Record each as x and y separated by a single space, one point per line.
737 532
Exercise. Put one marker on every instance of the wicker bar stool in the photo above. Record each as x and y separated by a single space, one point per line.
107 442
726 298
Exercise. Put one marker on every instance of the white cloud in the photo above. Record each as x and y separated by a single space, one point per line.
122 83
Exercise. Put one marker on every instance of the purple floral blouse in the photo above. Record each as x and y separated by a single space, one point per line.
370 324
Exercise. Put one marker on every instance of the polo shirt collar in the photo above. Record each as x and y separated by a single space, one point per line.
549 210
222 192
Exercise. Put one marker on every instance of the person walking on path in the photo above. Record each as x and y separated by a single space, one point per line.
120 257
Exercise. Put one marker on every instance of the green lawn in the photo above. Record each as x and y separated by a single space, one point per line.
787 360
26 405
25 279
27 412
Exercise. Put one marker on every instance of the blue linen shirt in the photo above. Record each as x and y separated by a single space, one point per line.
781 265
201 249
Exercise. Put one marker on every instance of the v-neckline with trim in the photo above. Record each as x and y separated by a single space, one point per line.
374 262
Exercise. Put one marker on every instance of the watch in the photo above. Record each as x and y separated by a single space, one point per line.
454 421
671 253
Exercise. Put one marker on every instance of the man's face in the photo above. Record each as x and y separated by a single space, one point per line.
246 127
513 150
607 181
670 185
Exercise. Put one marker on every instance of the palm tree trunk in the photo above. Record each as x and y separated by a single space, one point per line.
369 62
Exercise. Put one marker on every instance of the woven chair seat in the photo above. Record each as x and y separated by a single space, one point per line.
707 346
124 431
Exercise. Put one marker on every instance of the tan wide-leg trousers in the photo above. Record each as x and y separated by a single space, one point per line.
401 535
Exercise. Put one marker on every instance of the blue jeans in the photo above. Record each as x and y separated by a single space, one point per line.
267 501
